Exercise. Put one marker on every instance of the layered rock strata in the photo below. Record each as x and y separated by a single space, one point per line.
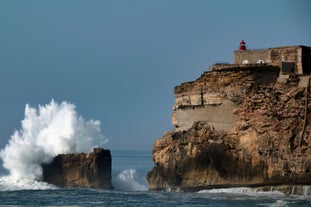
240 126
89 170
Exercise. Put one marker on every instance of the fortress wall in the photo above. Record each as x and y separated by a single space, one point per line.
298 56
217 67
183 118
198 99
306 59
287 54
252 56
217 93
223 66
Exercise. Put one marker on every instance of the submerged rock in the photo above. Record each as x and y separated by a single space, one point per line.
89 170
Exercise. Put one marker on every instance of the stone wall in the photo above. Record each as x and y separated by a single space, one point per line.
216 93
300 56
184 118
226 66
287 54
251 56
306 60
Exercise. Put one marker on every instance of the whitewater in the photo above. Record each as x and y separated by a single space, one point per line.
57 128
45 132
49 130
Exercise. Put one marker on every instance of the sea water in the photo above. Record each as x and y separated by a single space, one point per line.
57 128
129 179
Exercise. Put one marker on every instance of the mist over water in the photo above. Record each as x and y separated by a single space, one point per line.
45 132
129 180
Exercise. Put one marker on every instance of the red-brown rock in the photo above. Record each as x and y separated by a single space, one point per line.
89 170
269 142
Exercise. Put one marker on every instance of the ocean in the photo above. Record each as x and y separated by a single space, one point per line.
57 128
129 169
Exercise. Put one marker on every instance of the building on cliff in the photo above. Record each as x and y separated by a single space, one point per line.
199 100
291 59
241 124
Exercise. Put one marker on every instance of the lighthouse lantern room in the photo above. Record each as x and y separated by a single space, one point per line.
242 45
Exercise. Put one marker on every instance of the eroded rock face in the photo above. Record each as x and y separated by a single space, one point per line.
199 158
269 142
90 170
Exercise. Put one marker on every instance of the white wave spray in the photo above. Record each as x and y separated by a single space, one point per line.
128 180
50 130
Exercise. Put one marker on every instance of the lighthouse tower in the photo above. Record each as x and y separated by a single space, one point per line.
242 45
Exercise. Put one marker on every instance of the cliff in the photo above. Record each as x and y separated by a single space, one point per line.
236 126
89 170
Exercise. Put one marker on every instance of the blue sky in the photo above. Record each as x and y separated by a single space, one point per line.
119 61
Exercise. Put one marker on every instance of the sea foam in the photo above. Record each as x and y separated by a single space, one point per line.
45 132
129 180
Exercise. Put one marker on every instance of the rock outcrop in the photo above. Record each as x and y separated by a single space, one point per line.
237 126
89 170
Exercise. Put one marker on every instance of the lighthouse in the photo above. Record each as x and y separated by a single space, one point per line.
242 45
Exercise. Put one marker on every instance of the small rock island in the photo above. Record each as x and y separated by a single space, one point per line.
241 124
88 170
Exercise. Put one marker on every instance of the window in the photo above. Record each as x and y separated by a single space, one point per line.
245 62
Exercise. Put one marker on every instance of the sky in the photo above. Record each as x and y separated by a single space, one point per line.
118 61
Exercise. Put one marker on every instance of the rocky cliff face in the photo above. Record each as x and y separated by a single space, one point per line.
90 170
261 134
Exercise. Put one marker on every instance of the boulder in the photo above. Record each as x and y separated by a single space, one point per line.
88 170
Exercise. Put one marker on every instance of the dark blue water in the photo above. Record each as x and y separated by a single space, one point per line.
129 171
87 197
